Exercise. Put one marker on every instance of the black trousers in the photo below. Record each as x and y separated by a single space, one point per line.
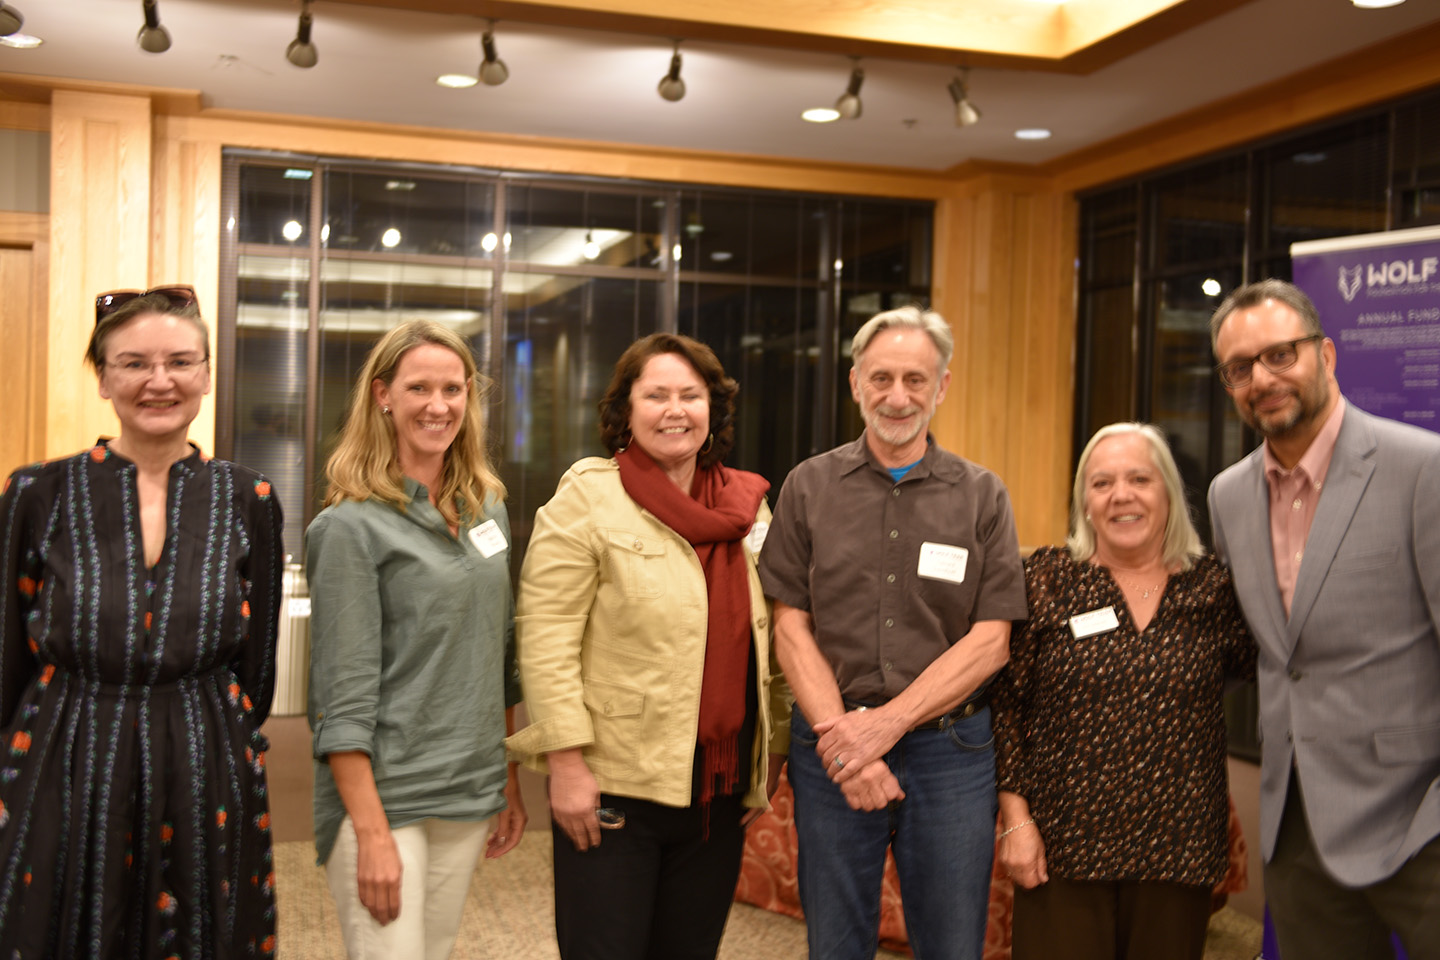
658 888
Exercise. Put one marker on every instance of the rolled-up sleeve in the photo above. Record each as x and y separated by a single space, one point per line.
346 642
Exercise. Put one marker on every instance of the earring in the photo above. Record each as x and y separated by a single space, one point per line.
385 409
624 441
1087 518
708 444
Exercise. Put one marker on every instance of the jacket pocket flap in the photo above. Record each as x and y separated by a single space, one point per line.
636 543
1408 744
612 700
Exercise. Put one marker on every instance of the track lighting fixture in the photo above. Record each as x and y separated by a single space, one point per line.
966 113
11 20
301 51
493 71
153 38
671 87
849 106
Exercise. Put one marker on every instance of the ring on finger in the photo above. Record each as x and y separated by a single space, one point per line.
839 764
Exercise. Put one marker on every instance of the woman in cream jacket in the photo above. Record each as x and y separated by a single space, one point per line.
644 648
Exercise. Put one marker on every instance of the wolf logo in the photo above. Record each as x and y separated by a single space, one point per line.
1349 282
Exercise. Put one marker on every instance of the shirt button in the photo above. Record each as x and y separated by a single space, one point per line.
889 622
890 578
894 534
895 492
1297 504
889 665
1295 675
1298 555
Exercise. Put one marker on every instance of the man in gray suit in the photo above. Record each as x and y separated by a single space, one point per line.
1332 532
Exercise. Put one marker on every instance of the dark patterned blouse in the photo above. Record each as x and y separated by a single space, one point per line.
1117 740
133 815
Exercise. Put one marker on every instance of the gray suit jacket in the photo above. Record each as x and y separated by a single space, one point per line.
1350 684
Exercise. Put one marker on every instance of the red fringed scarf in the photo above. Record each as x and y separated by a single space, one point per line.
714 520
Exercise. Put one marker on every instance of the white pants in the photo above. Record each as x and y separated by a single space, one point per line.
437 860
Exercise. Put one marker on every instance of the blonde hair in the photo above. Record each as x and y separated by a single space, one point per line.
366 461
1181 545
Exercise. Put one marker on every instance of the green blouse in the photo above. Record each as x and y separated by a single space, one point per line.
412 657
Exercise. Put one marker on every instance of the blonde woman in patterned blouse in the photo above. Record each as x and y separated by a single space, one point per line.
1110 735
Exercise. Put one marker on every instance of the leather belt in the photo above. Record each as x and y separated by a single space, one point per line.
967 709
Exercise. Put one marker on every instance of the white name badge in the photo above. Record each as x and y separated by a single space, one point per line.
488 539
1094 622
757 536
941 561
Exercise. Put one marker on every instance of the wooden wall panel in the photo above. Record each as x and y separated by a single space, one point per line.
100 240
24 246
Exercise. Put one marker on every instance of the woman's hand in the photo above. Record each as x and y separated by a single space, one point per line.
1022 854
377 873
772 783
574 798
509 823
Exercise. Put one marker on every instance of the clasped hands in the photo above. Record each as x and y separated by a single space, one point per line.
859 740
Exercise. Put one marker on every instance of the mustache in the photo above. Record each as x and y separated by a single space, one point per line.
885 410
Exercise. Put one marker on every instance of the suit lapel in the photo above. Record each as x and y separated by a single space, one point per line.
1345 482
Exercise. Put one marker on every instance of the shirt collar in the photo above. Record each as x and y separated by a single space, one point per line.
857 454
1315 462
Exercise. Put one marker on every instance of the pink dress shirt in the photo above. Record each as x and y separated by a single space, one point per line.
1293 496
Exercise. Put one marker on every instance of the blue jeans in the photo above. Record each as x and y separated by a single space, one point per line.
942 833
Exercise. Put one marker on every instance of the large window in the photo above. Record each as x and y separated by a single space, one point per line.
549 280
1157 255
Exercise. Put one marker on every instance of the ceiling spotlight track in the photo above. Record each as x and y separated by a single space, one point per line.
153 38
11 20
671 87
966 113
849 106
301 51
493 71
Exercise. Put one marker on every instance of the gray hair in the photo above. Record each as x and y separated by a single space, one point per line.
913 317
1182 543
1254 294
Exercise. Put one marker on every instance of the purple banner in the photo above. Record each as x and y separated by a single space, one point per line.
1379 300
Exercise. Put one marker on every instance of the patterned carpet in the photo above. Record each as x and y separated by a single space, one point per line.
508 915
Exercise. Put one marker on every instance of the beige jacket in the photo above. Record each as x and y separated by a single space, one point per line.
610 633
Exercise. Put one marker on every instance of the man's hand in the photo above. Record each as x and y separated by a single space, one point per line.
857 739
872 788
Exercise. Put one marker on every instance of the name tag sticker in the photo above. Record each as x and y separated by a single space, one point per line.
488 539
757 536
941 561
1094 622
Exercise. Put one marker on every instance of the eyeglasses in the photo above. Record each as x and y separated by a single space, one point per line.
178 367
1276 358
178 297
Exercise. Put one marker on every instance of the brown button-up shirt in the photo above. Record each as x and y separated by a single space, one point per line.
892 573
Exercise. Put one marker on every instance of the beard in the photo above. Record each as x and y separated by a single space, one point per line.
1310 399
897 435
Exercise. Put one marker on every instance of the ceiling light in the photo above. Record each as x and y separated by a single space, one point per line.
849 106
402 186
301 51
21 41
1210 287
591 250
456 81
298 173
11 20
493 71
820 115
966 113
1032 133
292 230
152 37
489 242
1376 4
390 238
671 87
721 256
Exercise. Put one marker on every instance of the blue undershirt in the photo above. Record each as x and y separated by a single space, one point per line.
898 473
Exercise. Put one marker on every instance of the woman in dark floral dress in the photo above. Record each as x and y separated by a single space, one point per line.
1109 733
140 593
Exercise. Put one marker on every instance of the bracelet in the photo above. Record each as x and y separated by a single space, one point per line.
1024 823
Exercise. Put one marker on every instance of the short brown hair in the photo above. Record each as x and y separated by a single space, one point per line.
615 404
1254 294
123 314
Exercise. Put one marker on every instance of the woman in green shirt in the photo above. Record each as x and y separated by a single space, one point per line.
412 672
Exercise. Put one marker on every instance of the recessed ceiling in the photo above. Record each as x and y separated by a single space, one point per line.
598 83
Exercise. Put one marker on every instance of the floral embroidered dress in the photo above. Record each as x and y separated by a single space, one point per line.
133 814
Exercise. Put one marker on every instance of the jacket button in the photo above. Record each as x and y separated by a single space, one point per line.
761 622
1296 675
609 709
639 545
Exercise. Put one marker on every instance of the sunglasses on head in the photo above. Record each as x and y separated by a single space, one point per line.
178 296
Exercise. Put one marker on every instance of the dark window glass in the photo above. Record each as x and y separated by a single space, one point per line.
1322 185
275 205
